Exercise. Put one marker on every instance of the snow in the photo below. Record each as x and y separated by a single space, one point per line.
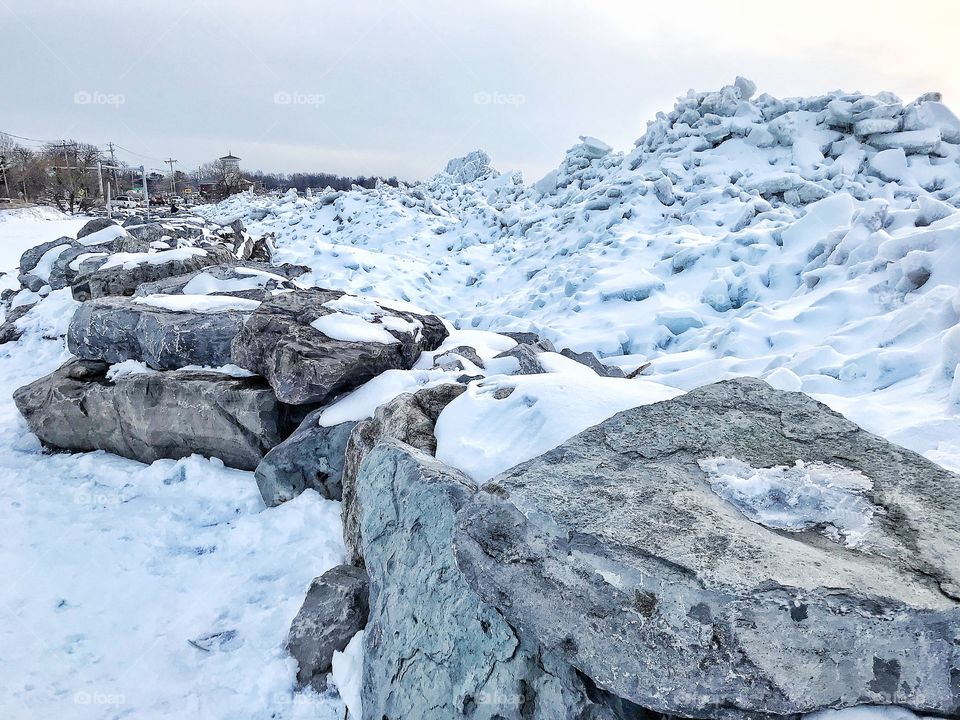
361 403
796 498
206 284
24 228
131 260
199 303
127 368
483 433
865 712
352 328
348 674
785 255
111 232
45 263
800 240
154 591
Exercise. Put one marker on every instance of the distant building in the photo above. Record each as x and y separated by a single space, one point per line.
231 163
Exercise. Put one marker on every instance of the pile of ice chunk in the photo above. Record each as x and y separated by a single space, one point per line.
808 240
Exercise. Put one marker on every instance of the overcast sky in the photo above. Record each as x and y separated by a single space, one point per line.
398 87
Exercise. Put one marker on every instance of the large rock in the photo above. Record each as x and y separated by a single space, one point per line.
432 647
154 415
630 551
95 225
114 329
311 458
409 418
334 610
240 279
124 277
306 365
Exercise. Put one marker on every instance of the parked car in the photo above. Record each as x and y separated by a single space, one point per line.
125 201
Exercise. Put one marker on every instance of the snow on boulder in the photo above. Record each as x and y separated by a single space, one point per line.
314 344
890 165
164 331
123 273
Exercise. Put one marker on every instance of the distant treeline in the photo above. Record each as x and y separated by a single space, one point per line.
301 181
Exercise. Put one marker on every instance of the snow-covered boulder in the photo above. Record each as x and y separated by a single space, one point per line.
738 550
151 415
252 280
122 273
164 331
314 344
334 610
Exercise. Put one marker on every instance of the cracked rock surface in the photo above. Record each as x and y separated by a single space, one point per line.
614 551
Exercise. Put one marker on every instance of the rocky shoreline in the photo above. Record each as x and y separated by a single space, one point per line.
737 551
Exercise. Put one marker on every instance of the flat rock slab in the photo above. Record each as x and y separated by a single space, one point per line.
153 415
666 556
125 277
305 365
114 329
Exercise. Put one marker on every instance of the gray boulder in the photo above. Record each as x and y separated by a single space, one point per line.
304 365
123 280
409 418
454 358
148 232
432 647
9 332
528 362
114 329
30 257
95 225
311 458
334 610
531 338
156 415
630 553
592 362
239 279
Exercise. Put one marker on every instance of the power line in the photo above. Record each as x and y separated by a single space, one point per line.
148 157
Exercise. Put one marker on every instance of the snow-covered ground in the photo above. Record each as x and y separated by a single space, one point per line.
136 591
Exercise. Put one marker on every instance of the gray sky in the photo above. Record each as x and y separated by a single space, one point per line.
399 87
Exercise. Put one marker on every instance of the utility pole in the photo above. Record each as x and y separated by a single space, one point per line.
3 169
173 176
113 161
100 176
146 195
